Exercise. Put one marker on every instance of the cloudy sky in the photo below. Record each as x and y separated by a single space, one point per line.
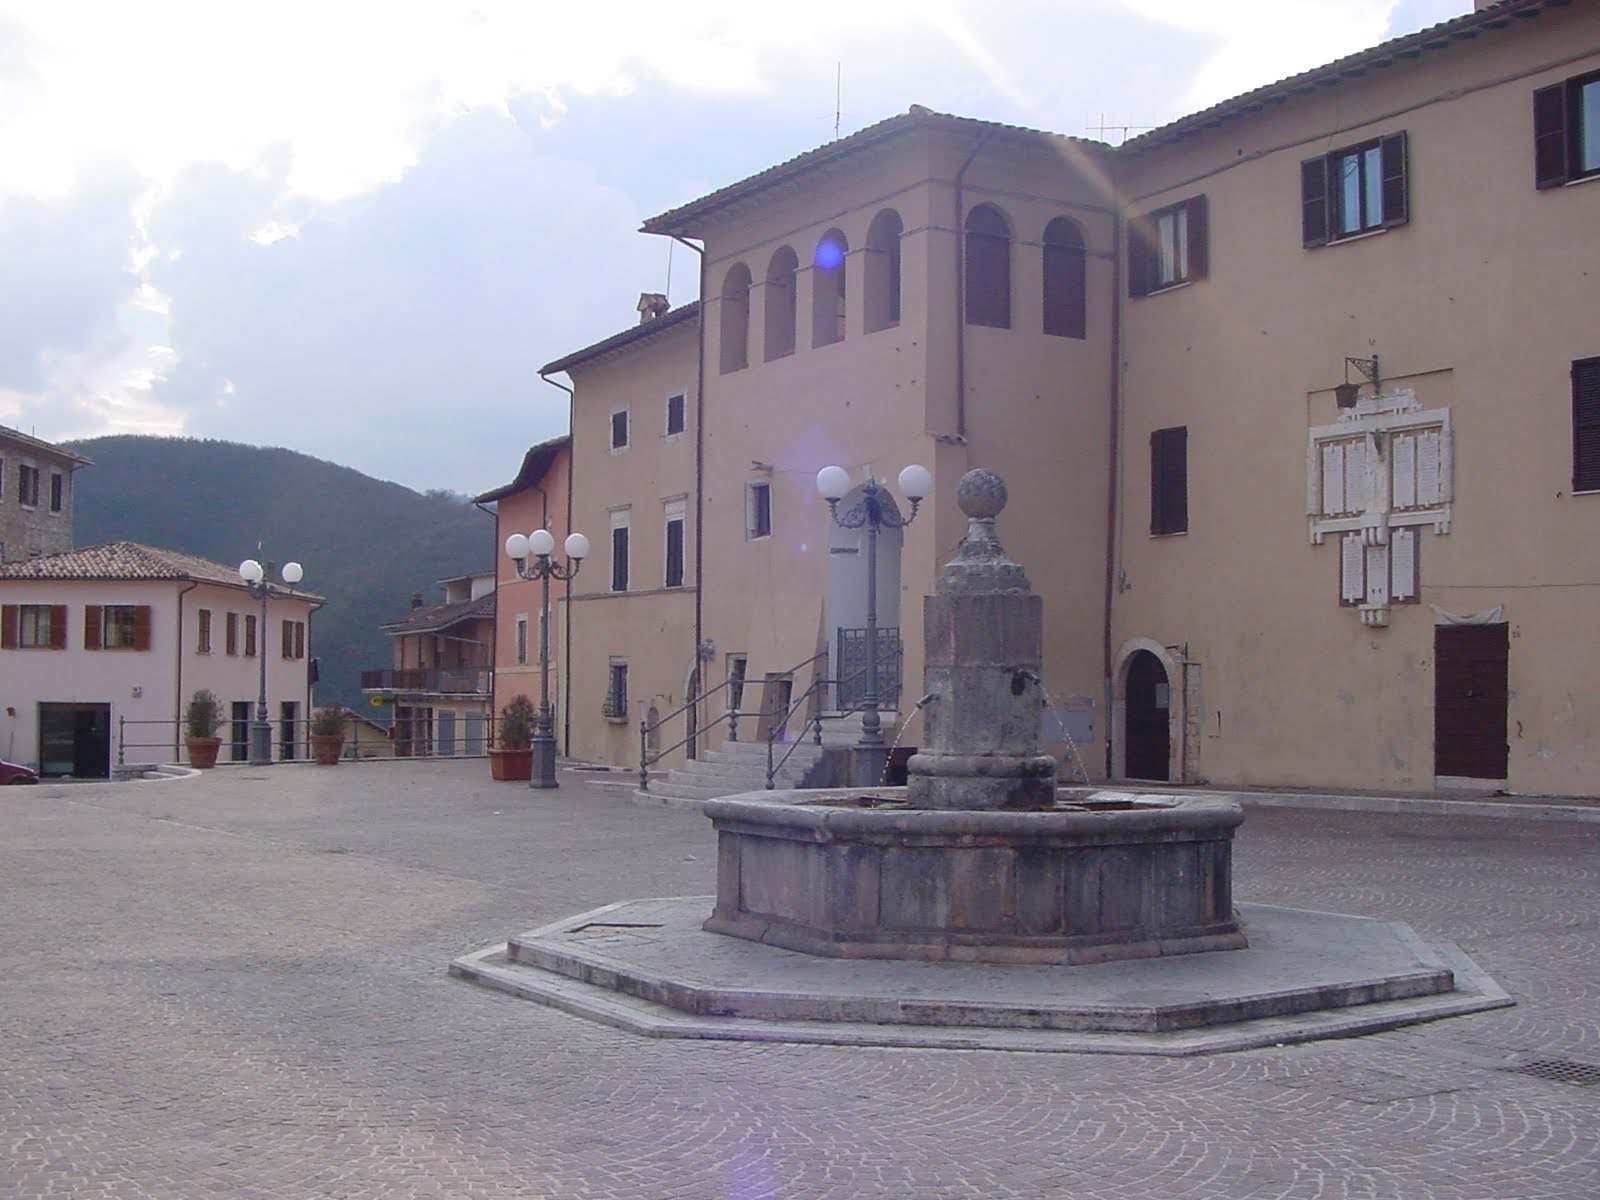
357 228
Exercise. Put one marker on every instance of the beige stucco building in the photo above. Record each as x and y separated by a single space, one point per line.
1249 578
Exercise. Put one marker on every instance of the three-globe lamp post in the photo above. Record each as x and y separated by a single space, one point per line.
532 552
255 578
875 510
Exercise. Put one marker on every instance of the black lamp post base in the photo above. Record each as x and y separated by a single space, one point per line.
260 743
544 762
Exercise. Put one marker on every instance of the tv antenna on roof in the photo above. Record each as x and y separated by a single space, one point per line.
838 91
1123 132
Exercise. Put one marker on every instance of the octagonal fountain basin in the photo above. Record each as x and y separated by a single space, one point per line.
1098 876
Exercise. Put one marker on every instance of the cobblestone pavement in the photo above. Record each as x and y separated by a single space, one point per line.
234 986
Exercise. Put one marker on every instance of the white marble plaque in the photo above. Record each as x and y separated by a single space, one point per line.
1377 574
1356 491
1333 479
1428 468
1403 453
1403 564
1352 584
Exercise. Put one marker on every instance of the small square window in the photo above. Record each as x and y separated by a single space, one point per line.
28 486
1566 131
675 413
619 429
616 701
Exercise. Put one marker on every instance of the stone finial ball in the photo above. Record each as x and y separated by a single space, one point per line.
981 493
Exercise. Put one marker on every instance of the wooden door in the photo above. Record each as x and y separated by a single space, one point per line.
1470 697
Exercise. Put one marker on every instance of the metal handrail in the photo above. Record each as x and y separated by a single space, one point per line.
814 721
731 716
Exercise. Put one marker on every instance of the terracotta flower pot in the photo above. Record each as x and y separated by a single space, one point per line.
512 765
202 751
326 748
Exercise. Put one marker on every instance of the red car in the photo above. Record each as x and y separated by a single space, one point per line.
13 773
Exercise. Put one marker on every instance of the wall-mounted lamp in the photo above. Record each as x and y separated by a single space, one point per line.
1345 394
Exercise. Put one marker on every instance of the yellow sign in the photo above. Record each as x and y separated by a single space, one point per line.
378 701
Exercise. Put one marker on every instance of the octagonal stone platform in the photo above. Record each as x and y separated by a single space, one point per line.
649 967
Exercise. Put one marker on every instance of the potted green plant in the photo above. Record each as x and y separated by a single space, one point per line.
200 724
327 735
512 757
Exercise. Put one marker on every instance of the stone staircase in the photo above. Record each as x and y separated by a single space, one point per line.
736 767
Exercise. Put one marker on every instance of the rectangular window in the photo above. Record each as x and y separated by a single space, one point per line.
1167 247
1566 131
521 649
1169 480
56 492
1354 190
231 633
294 639
28 486
1586 425
616 703
619 429
286 648
619 551
203 640
249 635
33 627
116 627
676 404
674 574
758 510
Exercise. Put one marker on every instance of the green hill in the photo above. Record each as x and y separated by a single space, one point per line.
365 544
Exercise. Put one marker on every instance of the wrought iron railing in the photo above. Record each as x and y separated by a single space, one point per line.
851 667
649 731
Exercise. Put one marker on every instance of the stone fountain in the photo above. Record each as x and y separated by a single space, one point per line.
980 857
981 905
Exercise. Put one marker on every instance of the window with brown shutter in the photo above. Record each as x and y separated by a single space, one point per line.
1169 480
286 650
230 634
203 637
1355 190
1586 425
249 635
33 627
141 627
1566 131
1168 247
91 626
988 283
1065 279
299 639
8 626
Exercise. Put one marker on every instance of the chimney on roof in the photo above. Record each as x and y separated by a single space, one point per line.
416 599
651 306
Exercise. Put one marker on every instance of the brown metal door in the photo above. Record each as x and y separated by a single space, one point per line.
1470 694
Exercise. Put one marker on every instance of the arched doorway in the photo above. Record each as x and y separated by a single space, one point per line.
847 605
1147 744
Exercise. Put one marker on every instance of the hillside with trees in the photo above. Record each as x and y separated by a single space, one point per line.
366 545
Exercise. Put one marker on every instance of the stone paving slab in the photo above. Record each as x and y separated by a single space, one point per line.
647 965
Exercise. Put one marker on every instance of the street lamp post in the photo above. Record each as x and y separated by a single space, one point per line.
875 510
255 578
539 545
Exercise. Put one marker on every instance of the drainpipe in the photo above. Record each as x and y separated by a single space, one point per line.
1113 442
566 674
699 475
177 682
961 288
494 626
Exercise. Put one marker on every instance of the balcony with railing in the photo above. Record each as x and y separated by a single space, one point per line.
429 681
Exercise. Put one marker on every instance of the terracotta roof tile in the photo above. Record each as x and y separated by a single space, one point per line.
134 561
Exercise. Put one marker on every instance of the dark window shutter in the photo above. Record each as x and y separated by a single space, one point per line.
9 618
1314 202
1586 425
1169 480
1550 167
619 559
1141 257
1199 235
299 639
92 618
286 637
1065 280
674 554
1396 186
141 627
58 627
231 634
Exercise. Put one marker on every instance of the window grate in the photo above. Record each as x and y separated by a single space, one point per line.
1559 1070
